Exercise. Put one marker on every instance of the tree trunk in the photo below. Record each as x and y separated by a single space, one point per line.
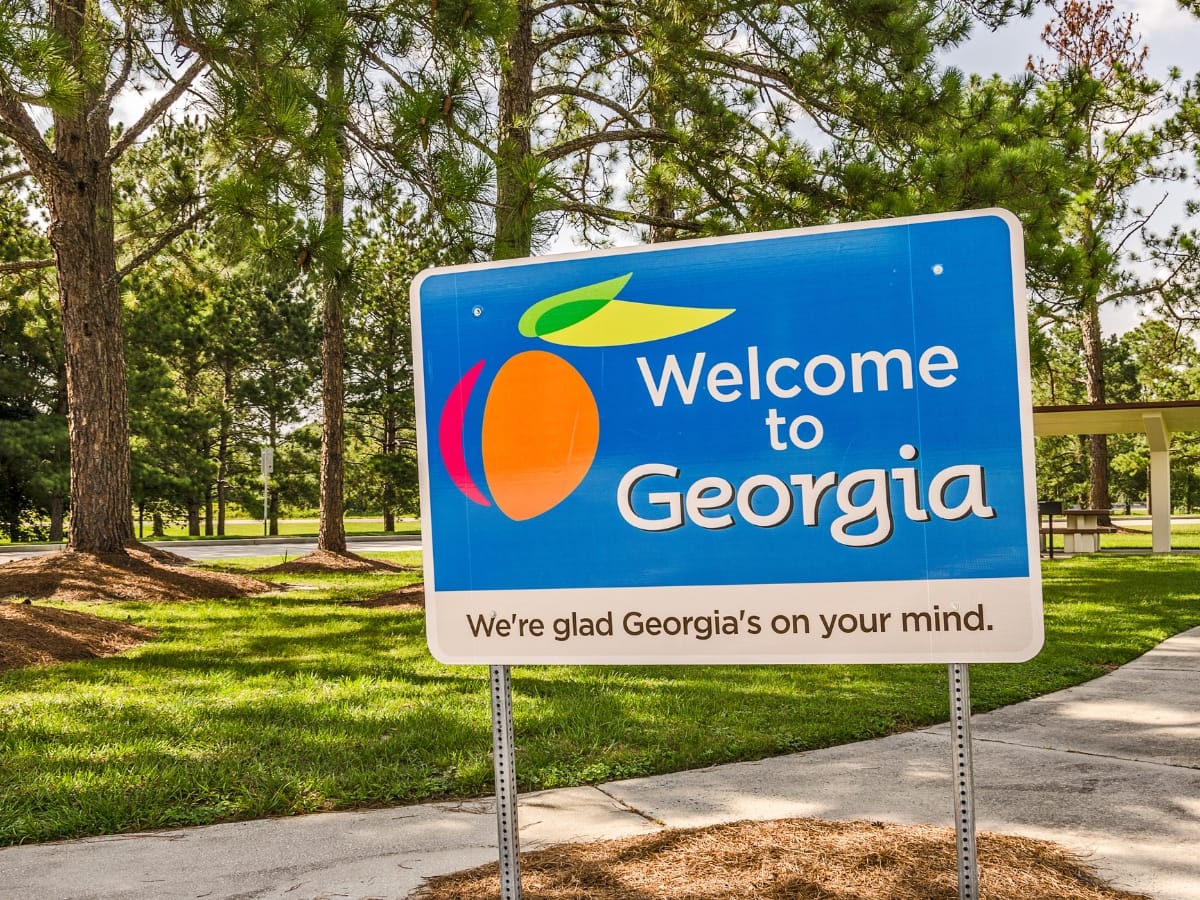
1093 357
56 518
208 511
514 169
193 514
157 529
389 452
660 192
331 534
77 186
98 422
223 450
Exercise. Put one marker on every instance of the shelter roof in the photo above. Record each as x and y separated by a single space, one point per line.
1115 418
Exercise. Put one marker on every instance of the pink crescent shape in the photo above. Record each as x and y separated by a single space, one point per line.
450 436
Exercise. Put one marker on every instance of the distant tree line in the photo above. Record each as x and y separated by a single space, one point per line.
227 267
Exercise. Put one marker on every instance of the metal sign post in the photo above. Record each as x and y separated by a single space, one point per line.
964 781
504 765
268 466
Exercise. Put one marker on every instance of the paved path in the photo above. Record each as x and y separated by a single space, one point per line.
204 551
1110 768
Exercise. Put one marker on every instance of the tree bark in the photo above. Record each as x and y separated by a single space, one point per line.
331 534
193 516
1093 355
514 170
79 195
56 518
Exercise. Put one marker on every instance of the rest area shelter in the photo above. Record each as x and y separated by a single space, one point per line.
1158 421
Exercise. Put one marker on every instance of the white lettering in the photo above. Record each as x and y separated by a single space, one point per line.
810 375
709 493
671 371
974 501
632 478
938 359
864 514
783 501
784 362
880 360
724 375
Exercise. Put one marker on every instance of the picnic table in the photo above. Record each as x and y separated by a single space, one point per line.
1082 529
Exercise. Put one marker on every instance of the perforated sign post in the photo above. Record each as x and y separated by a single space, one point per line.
797 447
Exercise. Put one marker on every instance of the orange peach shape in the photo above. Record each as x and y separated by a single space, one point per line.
541 428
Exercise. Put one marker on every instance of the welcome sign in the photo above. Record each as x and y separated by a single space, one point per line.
801 446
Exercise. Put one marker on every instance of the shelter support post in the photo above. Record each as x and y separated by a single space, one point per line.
1159 438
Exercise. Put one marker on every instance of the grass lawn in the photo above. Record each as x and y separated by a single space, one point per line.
1184 536
301 701
250 528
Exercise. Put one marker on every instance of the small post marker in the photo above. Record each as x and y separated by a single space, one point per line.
964 781
504 766
268 468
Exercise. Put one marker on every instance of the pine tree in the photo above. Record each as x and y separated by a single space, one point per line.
1129 131
73 58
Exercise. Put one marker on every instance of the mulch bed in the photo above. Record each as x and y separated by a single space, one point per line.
789 859
42 635
410 596
142 574
328 561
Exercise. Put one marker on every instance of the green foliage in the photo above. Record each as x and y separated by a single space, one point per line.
389 249
1152 362
33 438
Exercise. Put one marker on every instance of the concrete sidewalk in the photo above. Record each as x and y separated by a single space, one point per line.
1110 769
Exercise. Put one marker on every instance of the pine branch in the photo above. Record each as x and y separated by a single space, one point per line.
604 137
627 216
118 83
155 111
17 125
564 90
25 265
162 240
566 35
20 175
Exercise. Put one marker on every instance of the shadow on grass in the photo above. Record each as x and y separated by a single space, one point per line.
272 706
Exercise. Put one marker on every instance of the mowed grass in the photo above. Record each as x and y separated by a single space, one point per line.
1137 536
242 528
302 702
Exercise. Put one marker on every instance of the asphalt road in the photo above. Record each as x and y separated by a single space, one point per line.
229 549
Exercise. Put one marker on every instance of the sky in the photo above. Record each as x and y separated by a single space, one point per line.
1172 38
1171 35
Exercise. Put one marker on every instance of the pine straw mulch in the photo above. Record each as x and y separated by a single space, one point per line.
142 574
789 859
328 561
411 596
41 636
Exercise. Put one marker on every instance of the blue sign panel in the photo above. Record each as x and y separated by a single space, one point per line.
765 426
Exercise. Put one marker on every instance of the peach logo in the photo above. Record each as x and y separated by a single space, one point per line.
541 424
